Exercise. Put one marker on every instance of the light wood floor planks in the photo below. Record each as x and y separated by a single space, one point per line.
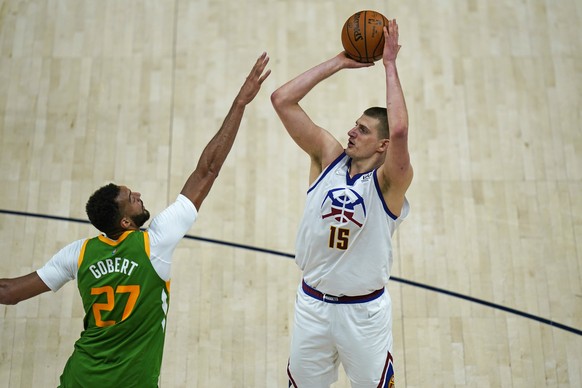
131 91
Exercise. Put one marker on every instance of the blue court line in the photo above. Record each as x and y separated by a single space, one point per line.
291 256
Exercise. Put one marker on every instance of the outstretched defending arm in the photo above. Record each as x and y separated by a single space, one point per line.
202 178
21 288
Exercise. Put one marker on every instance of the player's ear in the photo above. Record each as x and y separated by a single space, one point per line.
383 146
125 223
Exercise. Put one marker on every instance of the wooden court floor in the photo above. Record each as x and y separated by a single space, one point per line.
487 286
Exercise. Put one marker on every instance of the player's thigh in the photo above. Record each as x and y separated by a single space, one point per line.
313 359
365 341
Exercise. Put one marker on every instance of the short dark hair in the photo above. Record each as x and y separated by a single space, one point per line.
103 209
380 114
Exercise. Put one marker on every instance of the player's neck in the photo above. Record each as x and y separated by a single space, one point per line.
364 165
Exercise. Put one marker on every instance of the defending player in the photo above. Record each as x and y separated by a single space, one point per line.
355 201
123 275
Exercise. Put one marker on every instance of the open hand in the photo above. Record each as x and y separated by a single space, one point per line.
391 46
254 80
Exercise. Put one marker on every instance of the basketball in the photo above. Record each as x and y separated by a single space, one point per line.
363 36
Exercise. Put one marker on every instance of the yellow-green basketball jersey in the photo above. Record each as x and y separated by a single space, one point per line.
126 304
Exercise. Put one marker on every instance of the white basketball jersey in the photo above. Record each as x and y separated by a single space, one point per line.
344 242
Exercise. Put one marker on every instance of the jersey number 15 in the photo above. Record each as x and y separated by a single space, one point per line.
339 238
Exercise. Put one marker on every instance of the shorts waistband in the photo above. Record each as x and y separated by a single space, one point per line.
340 299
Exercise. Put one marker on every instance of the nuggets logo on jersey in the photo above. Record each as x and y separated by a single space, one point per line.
344 205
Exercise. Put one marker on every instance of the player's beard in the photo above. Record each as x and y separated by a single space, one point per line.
140 219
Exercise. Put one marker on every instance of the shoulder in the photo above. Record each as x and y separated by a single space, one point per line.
62 267
182 210
174 221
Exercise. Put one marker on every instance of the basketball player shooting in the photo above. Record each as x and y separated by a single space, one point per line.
355 201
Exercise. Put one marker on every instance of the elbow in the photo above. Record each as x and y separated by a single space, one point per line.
278 99
210 167
399 131
6 297
212 172
8 301
275 98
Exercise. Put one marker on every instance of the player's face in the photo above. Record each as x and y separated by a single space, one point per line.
363 139
132 207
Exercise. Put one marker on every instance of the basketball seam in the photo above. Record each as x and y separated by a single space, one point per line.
365 29
353 43
381 41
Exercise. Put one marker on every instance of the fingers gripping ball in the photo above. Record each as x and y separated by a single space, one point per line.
363 36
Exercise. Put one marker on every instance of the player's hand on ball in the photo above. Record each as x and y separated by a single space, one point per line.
349 63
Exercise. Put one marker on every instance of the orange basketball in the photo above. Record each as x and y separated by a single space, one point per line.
363 36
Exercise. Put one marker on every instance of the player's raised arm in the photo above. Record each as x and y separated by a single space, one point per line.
321 146
212 158
396 172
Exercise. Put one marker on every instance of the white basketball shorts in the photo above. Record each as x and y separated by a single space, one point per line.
359 336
